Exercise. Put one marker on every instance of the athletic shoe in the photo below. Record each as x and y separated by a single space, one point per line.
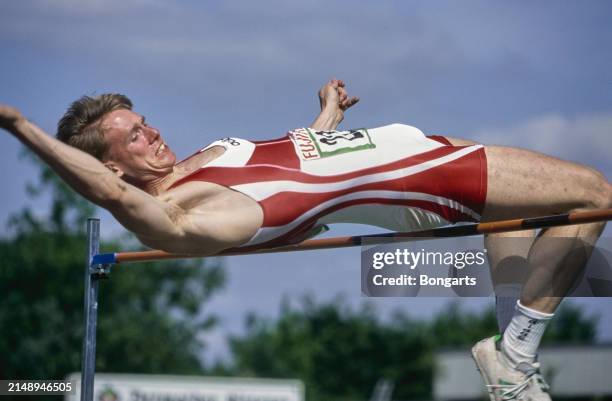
505 383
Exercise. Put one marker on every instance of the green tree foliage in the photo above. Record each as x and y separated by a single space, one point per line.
340 353
150 314
456 327
571 326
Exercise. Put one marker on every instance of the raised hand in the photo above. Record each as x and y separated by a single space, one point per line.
334 95
9 118
334 101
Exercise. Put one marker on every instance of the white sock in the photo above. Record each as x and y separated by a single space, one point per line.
523 335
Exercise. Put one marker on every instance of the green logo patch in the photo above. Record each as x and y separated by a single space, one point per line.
312 145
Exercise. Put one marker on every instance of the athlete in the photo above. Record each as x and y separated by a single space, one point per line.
239 193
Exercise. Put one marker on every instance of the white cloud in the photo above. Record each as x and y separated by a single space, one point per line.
585 138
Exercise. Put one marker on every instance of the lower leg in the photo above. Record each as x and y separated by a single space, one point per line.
557 258
507 255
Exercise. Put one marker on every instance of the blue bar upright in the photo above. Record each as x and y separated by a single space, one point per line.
88 364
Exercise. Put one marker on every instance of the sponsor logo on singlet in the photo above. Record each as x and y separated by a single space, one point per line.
312 145
231 141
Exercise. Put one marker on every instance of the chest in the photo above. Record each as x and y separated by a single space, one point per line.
200 196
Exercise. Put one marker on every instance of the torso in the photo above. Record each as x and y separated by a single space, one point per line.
259 187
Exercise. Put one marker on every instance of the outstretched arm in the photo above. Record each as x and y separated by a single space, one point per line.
135 209
334 101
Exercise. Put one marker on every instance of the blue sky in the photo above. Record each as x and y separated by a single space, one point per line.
530 74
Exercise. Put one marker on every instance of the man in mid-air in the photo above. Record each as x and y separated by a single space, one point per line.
252 194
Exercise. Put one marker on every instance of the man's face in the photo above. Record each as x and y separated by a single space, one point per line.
136 152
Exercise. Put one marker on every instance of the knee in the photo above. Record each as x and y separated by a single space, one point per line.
598 190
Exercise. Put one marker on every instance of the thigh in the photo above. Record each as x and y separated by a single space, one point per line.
523 183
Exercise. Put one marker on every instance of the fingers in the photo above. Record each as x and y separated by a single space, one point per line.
343 99
333 84
349 102
342 94
336 83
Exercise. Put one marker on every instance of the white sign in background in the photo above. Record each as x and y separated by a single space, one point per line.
133 387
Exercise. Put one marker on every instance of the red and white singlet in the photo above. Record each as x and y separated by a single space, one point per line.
392 177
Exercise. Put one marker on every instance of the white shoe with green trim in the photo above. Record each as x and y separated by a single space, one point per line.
504 383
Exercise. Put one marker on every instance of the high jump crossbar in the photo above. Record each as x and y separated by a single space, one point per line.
98 264
342 242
